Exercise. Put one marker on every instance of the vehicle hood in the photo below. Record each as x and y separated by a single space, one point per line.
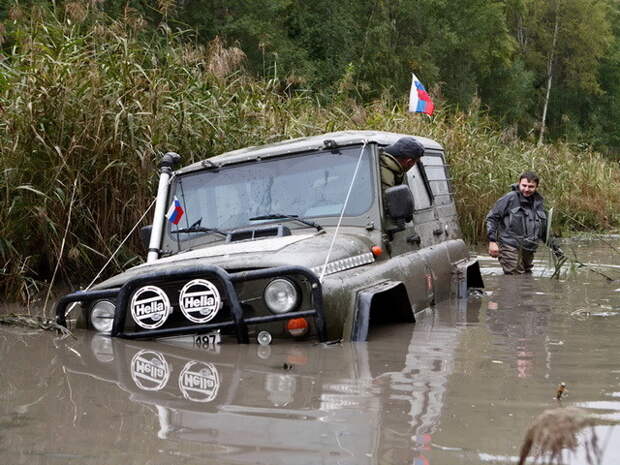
309 250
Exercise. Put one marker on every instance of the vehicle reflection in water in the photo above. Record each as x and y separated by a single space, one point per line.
375 402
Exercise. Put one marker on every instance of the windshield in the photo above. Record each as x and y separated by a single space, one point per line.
310 186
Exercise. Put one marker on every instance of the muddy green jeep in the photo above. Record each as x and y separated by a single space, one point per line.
294 239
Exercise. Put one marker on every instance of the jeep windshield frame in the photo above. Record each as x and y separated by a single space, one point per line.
311 184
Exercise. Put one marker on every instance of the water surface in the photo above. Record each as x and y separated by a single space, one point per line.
461 386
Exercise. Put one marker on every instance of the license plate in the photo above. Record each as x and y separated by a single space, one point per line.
207 341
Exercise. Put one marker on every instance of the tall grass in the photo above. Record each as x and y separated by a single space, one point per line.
484 160
89 102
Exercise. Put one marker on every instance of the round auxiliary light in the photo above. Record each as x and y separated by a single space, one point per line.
264 338
102 316
281 296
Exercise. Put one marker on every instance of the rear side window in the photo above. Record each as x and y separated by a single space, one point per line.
421 196
437 177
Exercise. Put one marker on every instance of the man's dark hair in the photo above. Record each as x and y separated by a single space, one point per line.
530 176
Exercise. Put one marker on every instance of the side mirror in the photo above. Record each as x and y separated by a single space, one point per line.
399 204
145 235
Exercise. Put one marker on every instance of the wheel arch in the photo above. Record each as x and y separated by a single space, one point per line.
371 308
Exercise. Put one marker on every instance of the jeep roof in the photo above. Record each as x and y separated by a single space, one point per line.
303 144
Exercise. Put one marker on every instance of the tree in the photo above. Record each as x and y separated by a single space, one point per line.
571 61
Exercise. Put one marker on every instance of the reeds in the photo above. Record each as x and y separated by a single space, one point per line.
558 430
90 102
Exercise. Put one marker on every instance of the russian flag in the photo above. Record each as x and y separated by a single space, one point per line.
419 100
175 212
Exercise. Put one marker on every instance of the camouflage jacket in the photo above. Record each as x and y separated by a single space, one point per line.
392 173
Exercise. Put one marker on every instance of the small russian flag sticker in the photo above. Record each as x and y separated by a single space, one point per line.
175 212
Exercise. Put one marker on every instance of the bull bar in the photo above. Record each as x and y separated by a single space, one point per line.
122 295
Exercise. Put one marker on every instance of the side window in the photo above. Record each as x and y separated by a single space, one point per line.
437 177
421 196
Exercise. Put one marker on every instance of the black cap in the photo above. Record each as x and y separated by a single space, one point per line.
405 147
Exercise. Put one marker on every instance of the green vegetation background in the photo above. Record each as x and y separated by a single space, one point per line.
91 91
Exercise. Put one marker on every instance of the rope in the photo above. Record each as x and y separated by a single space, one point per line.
114 253
344 207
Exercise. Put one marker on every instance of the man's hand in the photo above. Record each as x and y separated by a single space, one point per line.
493 249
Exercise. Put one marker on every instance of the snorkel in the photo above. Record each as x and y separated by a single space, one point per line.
168 161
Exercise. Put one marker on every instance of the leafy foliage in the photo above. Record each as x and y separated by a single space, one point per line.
496 51
87 102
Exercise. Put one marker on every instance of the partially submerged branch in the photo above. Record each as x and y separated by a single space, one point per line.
34 323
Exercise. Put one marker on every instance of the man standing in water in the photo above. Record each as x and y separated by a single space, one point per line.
515 224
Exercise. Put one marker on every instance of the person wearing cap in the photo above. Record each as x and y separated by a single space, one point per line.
396 159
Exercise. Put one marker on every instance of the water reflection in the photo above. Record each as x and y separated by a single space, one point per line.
517 316
376 402
415 394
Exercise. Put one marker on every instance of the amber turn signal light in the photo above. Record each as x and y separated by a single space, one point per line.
297 327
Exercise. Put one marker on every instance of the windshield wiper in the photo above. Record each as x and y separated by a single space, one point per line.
199 229
281 216
195 227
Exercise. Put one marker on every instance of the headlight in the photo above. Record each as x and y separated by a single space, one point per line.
281 296
102 316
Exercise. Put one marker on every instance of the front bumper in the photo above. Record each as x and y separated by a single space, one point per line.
235 317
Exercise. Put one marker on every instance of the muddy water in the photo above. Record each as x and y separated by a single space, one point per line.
459 387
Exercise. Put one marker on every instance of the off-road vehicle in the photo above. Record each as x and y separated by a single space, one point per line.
293 239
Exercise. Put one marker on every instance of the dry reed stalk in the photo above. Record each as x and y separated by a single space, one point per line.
223 60
62 248
556 430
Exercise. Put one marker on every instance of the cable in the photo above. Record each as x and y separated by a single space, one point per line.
344 207
113 254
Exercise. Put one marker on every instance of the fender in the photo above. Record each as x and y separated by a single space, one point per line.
364 305
468 276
